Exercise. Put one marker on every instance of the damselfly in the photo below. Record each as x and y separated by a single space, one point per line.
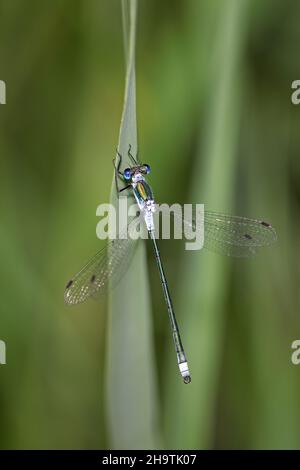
230 235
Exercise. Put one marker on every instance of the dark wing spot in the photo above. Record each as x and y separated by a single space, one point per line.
93 278
69 284
265 224
248 236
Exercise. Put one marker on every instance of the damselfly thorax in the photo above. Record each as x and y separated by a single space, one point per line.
144 197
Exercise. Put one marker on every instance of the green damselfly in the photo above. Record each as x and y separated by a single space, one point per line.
229 235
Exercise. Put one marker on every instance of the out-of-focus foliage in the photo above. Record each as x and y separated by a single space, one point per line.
217 126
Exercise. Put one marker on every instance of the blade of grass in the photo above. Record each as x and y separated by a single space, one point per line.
190 411
131 383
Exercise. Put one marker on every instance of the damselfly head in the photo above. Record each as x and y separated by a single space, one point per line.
144 169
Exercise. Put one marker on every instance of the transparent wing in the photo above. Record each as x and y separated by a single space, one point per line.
233 235
109 264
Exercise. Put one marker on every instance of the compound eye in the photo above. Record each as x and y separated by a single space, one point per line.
127 174
147 168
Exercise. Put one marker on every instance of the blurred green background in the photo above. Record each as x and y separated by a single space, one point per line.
217 126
